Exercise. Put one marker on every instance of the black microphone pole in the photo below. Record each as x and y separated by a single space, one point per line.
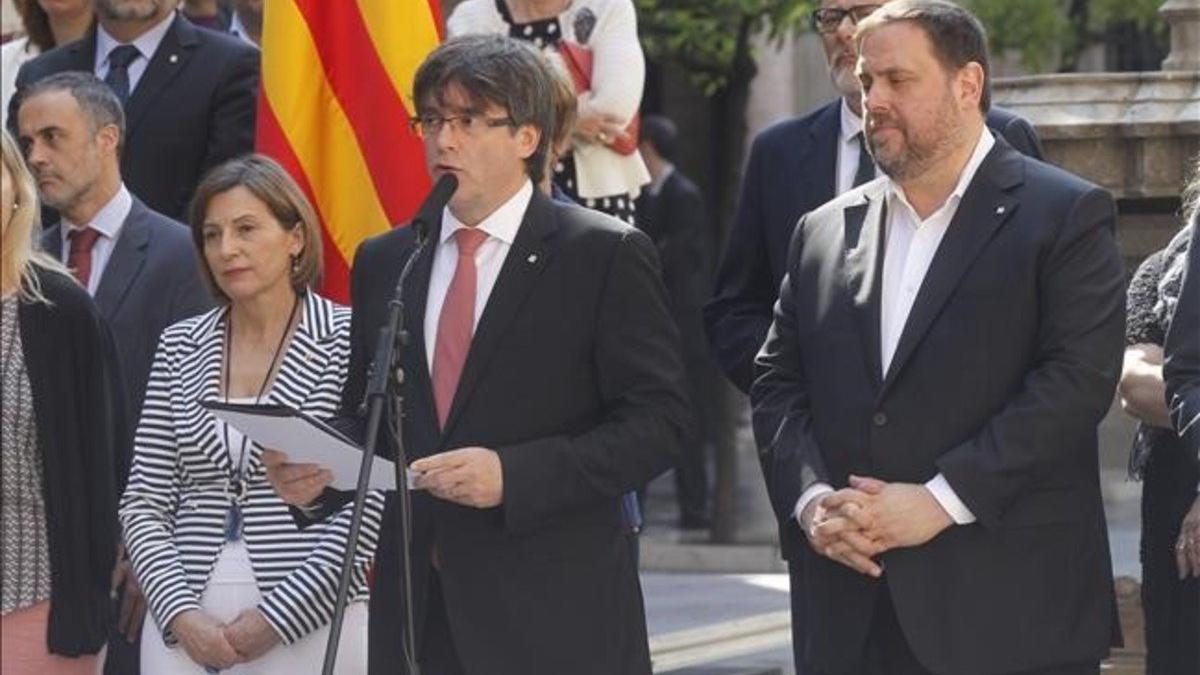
384 382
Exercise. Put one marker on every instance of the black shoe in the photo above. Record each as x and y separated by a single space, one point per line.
693 522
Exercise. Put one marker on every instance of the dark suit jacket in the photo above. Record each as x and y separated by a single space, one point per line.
192 109
70 360
1007 363
1181 369
677 221
152 280
574 378
791 171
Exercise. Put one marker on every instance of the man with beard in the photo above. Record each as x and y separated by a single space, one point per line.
794 167
189 94
947 338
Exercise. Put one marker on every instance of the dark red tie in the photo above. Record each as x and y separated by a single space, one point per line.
79 259
456 323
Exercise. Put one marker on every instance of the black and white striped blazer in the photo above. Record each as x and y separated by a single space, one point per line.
176 501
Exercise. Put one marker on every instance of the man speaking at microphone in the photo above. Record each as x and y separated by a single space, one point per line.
542 381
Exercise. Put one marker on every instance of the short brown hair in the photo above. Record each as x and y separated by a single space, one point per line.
264 178
956 35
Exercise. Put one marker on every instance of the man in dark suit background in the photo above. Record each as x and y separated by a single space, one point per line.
673 213
139 266
794 167
189 94
542 382
947 339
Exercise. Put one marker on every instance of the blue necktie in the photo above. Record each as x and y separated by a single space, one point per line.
118 70
866 164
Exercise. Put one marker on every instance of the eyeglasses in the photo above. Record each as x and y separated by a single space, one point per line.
829 19
430 125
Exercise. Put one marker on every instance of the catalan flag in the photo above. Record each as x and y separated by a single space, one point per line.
334 106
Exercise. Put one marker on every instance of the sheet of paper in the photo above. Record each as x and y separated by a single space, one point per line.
306 442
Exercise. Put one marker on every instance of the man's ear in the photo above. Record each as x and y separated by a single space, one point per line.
109 137
969 85
528 137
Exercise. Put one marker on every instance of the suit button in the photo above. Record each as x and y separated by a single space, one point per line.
879 419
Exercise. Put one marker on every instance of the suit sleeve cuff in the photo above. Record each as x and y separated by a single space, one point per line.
940 488
815 490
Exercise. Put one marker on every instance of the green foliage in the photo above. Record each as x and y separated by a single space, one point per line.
1144 13
1038 30
710 38
1047 33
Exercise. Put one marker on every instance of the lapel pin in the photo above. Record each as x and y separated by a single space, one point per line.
999 210
174 58
533 257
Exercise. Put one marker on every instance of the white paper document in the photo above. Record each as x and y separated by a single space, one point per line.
306 440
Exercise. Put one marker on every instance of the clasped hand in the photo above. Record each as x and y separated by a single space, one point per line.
210 643
853 526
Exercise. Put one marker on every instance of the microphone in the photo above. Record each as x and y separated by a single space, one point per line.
431 209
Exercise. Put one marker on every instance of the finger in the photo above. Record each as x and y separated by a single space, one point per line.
273 458
1181 561
137 620
297 473
126 613
835 526
1194 557
860 563
862 544
857 514
835 500
118 575
869 485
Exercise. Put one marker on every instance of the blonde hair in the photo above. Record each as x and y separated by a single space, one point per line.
20 253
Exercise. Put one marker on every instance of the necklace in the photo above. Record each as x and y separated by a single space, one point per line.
237 483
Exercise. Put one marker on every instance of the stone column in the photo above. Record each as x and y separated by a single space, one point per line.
1183 16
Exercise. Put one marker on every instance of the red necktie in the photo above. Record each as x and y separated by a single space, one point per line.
456 324
79 257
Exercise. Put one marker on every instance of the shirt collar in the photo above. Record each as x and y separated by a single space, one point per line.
657 185
147 43
109 219
851 124
238 29
502 223
982 147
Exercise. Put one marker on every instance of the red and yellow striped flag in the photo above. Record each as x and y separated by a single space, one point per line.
334 107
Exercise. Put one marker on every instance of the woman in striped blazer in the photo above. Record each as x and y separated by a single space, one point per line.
227 573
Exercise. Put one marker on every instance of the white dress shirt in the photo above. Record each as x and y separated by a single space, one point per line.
146 45
501 227
910 247
108 221
848 153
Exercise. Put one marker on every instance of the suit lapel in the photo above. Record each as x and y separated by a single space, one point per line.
529 255
125 263
416 292
986 205
205 359
173 53
823 148
864 242
52 241
302 366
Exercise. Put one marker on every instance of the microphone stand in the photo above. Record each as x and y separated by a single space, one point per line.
383 383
